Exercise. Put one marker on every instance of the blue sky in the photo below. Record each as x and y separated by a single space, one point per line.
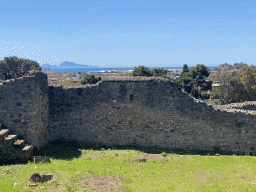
154 33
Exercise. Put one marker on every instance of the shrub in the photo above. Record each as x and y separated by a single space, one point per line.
142 71
205 95
166 76
212 95
164 154
90 79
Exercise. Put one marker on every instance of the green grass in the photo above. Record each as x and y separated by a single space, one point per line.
82 169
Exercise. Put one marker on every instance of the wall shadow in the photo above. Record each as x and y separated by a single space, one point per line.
67 150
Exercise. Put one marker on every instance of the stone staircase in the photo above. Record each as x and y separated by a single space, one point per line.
13 150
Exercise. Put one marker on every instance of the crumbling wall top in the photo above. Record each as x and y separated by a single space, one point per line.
132 78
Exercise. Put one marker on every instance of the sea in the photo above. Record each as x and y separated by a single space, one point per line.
98 70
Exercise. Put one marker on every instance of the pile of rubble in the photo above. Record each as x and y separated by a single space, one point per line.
248 107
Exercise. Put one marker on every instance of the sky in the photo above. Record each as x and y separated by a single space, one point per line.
129 33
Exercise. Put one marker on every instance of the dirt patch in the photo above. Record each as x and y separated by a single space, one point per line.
102 183
92 155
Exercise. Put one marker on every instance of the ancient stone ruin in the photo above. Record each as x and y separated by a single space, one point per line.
12 149
144 111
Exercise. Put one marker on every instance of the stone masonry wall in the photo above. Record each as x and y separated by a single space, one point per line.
124 111
24 107
160 114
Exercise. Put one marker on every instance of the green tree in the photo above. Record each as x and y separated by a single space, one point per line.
142 71
90 79
159 72
185 69
237 82
247 77
207 85
193 77
239 65
14 67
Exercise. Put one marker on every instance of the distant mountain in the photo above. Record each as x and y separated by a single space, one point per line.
67 64
48 66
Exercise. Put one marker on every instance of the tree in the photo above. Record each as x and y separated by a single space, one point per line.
142 71
159 72
14 67
90 79
236 86
247 77
188 80
239 65
200 70
185 69
229 67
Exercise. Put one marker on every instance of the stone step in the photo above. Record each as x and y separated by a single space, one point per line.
27 148
19 144
28 152
4 133
10 139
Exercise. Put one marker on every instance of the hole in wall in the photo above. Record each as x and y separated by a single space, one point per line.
19 104
132 96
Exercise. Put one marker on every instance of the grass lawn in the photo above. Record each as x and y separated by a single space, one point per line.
113 169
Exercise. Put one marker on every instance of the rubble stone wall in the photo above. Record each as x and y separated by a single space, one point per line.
146 112
124 111
24 107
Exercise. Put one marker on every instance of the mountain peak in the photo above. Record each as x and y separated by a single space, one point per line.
67 64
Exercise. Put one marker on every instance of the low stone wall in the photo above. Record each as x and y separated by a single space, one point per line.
248 107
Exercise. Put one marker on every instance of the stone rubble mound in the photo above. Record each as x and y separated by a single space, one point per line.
248 107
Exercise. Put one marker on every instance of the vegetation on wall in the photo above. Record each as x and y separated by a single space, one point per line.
14 67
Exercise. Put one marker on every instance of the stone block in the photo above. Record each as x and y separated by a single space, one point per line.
37 178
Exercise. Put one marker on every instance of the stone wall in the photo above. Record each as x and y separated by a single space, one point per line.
24 107
123 111
12 149
147 112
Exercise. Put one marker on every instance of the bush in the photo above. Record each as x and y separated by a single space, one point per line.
205 95
214 95
142 71
164 154
90 79
166 76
